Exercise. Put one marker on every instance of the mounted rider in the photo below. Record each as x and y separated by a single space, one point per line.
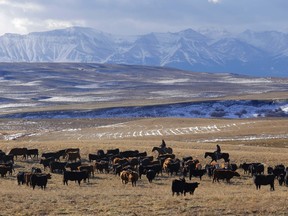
163 145
217 153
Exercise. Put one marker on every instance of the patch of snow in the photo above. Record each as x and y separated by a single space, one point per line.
14 105
90 86
78 99
72 129
13 136
284 108
246 138
172 81
245 81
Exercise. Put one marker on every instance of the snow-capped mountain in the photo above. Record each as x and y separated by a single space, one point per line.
250 53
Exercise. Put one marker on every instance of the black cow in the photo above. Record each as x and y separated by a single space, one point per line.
5 168
247 167
173 167
32 152
150 174
224 174
143 169
75 176
19 152
256 168
7 158
39 180
46 162
264 180
178 186
73 165
36 170
55 155
281 179
279 170
113 151
142 154
56 166
286 177
102 166
146 160
129 153
21 178
94 157
196 173
190 187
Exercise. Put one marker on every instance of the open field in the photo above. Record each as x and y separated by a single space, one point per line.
63 87
246 140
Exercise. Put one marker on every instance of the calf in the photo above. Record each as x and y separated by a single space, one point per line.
124 175
4 170
133 177
150 174
21 178
190 187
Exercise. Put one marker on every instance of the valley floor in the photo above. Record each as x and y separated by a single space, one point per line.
247 140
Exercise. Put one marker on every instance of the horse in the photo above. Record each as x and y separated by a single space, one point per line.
161 151
224 156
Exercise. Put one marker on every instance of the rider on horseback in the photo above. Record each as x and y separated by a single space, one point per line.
217 153
163 144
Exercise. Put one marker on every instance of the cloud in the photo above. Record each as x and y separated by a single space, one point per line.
57 24
214 1
22 5
141 16
22 24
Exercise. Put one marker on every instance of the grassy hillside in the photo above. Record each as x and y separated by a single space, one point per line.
246 140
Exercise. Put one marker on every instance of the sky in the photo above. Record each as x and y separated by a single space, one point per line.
134 17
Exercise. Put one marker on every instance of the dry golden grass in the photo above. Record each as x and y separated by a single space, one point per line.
106 195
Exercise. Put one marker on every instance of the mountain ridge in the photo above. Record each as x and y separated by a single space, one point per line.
248 53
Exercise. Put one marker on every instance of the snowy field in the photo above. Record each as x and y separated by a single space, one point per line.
42 85
208 109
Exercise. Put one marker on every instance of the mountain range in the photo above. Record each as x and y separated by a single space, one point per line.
250 53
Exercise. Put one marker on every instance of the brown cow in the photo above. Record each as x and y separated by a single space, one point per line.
87 167
101 166
124 175
27 177
133 178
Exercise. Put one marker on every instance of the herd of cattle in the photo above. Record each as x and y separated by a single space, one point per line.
130 166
